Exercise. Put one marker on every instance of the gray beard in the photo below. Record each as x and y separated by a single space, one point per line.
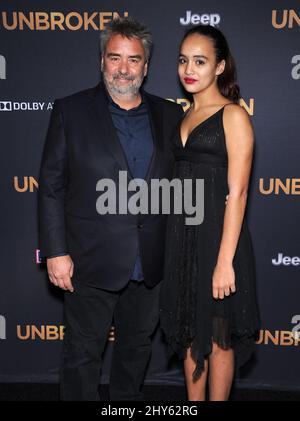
126 91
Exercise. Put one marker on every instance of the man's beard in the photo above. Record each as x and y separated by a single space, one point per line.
131 89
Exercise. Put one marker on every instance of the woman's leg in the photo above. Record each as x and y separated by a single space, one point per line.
221 371
195 389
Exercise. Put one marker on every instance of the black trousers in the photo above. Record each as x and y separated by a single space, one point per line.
88 316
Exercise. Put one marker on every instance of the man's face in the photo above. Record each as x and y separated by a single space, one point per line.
123 65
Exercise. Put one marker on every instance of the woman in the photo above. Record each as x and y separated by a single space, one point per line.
208 302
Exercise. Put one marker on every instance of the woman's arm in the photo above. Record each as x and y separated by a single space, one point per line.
239 143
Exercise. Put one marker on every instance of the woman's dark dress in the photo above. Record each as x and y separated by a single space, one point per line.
190 316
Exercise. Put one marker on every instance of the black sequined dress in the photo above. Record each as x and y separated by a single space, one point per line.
190 316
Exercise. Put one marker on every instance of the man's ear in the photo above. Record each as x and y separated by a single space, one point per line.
220 67
101 63
146 68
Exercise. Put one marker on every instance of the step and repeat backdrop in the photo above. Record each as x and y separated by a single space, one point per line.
50 49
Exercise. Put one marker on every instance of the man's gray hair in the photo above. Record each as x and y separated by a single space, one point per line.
129 28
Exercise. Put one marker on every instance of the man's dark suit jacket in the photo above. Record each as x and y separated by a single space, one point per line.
81 148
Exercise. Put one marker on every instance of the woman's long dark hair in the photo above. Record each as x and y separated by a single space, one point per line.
227 81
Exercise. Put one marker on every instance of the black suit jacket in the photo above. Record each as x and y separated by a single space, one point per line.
81 148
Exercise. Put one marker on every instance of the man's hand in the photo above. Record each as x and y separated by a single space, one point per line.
60 271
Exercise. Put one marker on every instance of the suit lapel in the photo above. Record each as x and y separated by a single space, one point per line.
104 126
156 120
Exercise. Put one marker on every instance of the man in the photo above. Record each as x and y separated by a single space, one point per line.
110 265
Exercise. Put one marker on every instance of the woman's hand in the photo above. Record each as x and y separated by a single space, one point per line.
223 283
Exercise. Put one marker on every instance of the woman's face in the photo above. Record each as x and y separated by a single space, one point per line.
197 67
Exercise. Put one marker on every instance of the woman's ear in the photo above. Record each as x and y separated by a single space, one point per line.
220 67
